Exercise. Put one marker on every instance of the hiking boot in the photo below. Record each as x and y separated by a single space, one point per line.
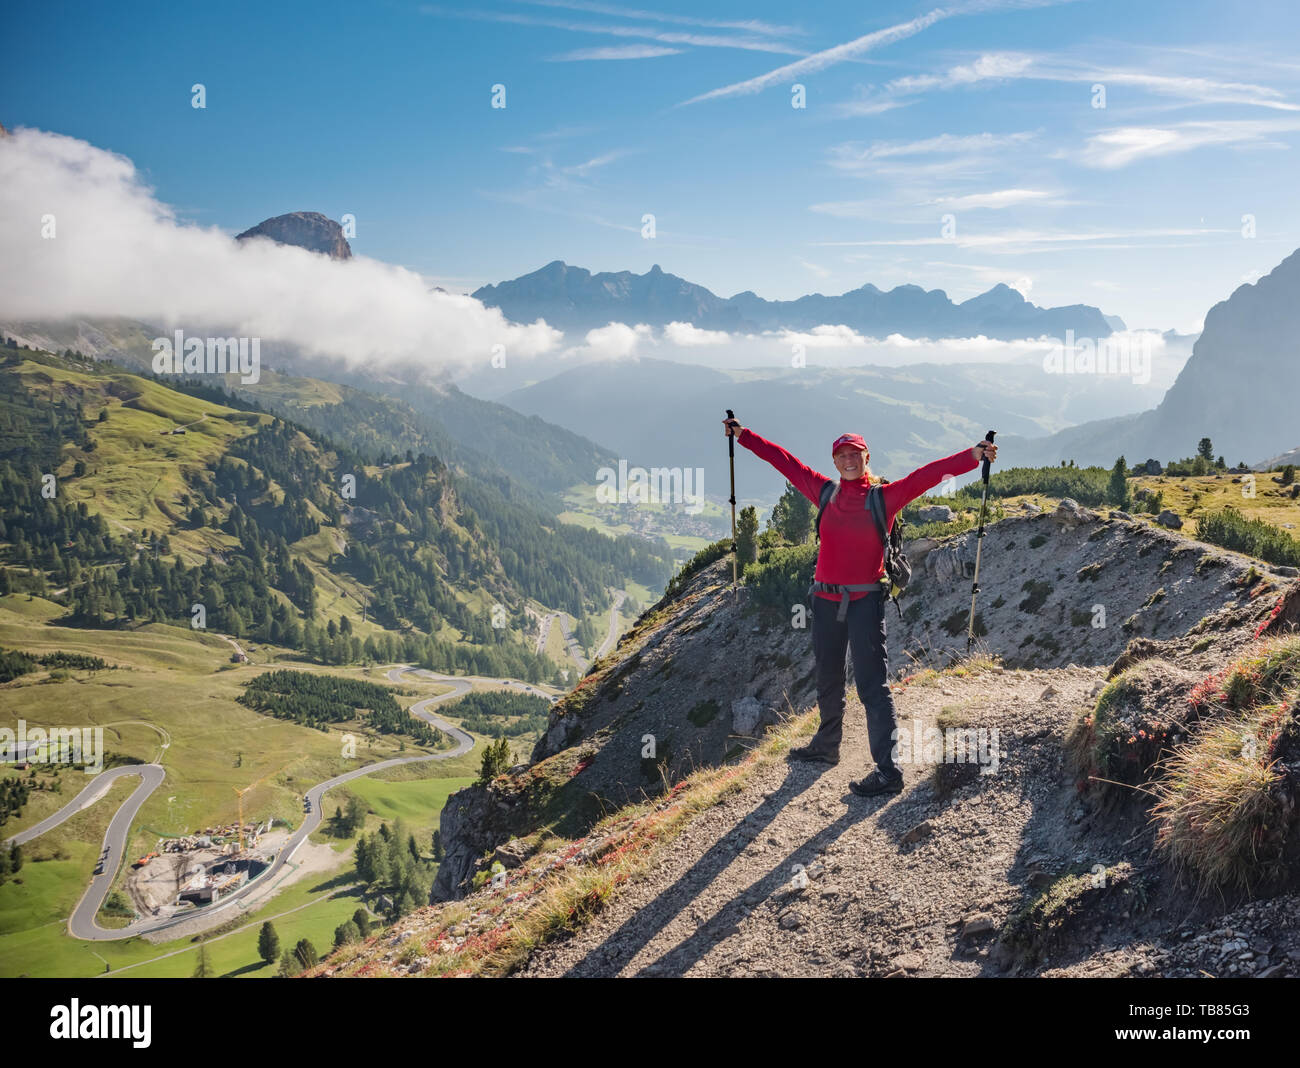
876 783
818 756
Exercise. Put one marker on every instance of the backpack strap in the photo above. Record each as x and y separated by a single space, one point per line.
828 487
875 503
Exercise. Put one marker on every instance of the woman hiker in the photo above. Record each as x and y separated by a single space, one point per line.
847 612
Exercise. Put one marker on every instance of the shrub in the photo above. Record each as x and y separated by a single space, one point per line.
1255 537
1038 591
704 712
781 577
1218 811
696 563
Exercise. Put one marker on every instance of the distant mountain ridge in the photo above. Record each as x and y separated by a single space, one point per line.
572 298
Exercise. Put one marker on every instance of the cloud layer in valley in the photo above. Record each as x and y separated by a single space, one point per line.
118 251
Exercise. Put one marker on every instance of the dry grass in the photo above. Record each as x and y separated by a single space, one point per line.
1218 812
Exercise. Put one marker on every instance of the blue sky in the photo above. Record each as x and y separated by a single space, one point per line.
981 111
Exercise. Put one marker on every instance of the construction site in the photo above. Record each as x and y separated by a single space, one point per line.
190 872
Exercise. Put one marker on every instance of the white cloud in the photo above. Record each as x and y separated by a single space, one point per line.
1012 240
826 336
856 158
892 207
688 334
1006 66
748 25
616 52
827 57
1123 145
118 251
615 341
698 40
1001 198
583 169
991 65
817 269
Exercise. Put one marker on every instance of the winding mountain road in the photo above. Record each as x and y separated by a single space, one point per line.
81 924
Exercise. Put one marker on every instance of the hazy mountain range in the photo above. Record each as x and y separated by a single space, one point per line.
574 299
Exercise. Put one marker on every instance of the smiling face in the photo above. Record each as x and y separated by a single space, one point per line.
850 461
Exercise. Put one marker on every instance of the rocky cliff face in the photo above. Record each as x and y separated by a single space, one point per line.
1242 376
304 229
1239 387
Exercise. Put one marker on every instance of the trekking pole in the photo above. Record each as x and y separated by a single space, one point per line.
979 542
731 457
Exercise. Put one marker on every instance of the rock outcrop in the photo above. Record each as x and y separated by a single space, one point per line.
304 229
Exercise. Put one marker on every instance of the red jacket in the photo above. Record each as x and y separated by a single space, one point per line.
851 552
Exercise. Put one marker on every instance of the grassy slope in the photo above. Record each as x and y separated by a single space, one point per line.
182 683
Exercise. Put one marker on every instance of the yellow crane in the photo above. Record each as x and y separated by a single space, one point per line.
245 790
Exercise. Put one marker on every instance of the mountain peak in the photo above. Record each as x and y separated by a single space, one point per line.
1000 297
304 229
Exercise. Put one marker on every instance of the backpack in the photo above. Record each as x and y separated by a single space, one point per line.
897 568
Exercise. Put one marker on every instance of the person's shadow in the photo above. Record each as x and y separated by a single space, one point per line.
649 920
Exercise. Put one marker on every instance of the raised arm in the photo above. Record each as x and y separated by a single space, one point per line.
901 493
800 475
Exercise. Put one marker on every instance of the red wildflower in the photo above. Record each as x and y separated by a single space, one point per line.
1277 608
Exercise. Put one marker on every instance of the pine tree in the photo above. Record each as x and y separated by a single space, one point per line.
305 953
793 516
496 759
746 537
1205 448
268 943
381 872
364 860
1117 492
356 814
203 970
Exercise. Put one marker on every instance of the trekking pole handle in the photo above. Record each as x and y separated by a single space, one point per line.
987 437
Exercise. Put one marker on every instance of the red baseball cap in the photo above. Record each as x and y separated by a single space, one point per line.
849 439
